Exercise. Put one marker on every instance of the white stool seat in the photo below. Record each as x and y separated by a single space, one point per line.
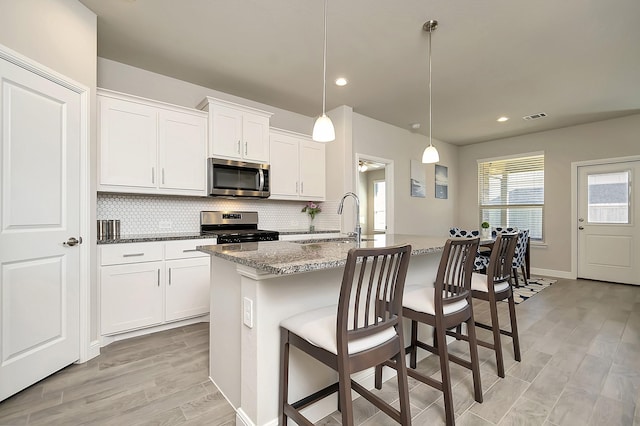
318 327
479 283
421 299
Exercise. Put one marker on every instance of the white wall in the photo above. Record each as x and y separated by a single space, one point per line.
136 81
426 216
61 35
600 140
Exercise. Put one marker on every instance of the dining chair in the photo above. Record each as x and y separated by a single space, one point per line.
481 261
363 330
445 305
519 258
493 287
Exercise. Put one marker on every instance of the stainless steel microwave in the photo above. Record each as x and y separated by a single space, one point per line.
229 178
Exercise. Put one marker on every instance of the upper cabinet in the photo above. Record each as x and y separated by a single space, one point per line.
237 132
150 147
297 167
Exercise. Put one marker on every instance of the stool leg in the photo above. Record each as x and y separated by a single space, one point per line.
403 387
446 376
497 343
413 357
475 362
284 375
345 405
514 328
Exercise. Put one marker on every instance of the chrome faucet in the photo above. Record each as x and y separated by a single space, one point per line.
358 230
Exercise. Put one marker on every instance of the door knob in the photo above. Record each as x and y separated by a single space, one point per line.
72 242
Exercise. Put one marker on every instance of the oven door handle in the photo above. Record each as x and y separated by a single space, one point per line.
261 182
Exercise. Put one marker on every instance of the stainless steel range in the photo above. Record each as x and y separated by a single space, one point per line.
234 227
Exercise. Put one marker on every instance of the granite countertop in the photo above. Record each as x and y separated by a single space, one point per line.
291 257
142 238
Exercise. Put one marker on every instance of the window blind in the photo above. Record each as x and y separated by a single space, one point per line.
511 193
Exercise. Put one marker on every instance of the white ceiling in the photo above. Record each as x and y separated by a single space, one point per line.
576 60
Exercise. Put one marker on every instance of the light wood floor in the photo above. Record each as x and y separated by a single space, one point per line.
580 366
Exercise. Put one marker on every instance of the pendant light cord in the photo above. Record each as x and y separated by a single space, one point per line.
430 144
324 60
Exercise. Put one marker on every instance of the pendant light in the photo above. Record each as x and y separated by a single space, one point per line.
430 154
323 130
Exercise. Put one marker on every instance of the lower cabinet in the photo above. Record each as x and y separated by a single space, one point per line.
187 290
131 296
148 284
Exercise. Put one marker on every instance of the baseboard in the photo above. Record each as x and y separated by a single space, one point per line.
553 273
106 340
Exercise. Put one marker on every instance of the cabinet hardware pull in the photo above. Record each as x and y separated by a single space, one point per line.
245 148
297 187
132 254
169 276
188 251
238 147
163 175
153 175
301 187
158 277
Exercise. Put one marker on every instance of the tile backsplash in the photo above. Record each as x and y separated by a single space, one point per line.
149 214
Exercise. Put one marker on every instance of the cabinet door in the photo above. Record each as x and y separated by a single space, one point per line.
187 290
283 176
128 136
312 170
183 151
131 296
226 134
255 134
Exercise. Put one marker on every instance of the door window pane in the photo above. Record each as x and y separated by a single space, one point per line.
608 199
379 206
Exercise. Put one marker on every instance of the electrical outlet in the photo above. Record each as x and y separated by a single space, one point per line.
165 224
247 312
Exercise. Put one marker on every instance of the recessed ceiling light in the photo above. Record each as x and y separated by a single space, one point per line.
341 81
415 126
502 119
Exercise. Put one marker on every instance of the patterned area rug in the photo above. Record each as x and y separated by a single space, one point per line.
534 286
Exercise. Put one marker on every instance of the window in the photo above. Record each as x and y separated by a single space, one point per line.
379 206
511 193
609 197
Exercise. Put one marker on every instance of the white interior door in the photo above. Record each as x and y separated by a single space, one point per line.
608 222
40 133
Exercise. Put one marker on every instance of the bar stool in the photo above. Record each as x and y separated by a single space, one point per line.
445 305
362 331
494 287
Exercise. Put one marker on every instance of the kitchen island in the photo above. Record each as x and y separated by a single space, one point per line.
256 285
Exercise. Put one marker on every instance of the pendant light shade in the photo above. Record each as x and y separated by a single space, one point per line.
430 154
323 130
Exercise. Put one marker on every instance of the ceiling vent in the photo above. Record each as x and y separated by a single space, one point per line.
535 116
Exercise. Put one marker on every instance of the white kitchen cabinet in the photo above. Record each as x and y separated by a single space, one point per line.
237 132
150 147
152 283
187 290
131 296
297 167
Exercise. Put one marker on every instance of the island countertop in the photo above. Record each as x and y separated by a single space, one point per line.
291 257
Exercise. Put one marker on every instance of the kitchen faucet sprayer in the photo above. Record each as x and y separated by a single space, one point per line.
358 230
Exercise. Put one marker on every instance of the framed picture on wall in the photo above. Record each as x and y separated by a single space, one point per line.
442 182
418 179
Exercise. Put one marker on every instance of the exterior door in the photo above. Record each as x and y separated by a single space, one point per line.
40 134
608 222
